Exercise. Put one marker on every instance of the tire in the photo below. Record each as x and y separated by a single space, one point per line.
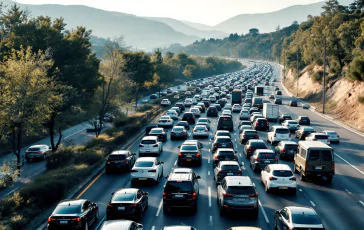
294 191
165 210
256 213
275 227
222 212
44 157
255 168
97 215
329 180
139 217
194 209
179 163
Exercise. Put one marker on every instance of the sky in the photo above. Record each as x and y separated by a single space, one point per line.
209 12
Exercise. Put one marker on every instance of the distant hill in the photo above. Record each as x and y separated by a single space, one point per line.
198 26
183 27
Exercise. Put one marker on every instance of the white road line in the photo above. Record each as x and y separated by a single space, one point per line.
175 162
102 221
159 208
208 160
153 227
313 204
210 220
11 191
300 190
240 154
73 134
361 202
348 191
209 150
208 173
349 164
264 214
209 190
235 139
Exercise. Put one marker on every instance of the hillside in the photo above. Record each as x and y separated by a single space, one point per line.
198 26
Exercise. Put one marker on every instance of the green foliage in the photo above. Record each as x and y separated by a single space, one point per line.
317 76
361 99
356 69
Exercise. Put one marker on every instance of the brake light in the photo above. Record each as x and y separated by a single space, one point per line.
225 194
275 134
179 154
328 140
221 171
272 178
133 205
314 139
152 170
283 150
50 219
276 159
250 149
194 195
182 132
303 132
198 154
156 145
133 170
267 123
169 120
256 123
164 196
293 178
215 157
258 159
333 168
253 195
78 219
26 152
216 144
256 136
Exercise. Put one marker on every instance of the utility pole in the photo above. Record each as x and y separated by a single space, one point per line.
297 74
324 77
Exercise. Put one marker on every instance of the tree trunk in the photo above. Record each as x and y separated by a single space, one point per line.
18 153
51 131
59 138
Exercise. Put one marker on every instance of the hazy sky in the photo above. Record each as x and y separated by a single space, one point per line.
210 12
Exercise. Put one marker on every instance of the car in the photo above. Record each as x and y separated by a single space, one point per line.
293 103
261 124
121 225
181 106
323 137
290 217
120 160
184 124
144 101
272 96
241 123
172 114
252 145
206 102
188 102
303 131
221 142
177 109
248 134
286 149
226 168
195 111
244 127
305 106
153 96
277 134
147 169
226 112
150 145
93 124
303 120
212 99
284 117
188 93
127 203
178 227
37 152
248 100
278 177
292 125
190 152
73 214
212 112
255 116
218 107
204 121
233 187
228 107
178 132
278 101
202 106
244 114
189 117
224 154
261 158
278 92
221 102
108 117
247 106
200 131
276 88
150 127
181 190
333 136
236 108
159 132
165 121
220 133
165 102
254 110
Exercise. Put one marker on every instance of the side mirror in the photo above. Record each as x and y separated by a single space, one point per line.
50 147
198 177
235 151
161 162
112 193
179 147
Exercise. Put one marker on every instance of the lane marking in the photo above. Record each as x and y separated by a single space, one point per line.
349 164
208 173
209 191
208 160
313 204
210 220
264 214
175 162
102 221
11 191
348 191
73 134
361 202
153 227
240 154
159 208
88 186
209 150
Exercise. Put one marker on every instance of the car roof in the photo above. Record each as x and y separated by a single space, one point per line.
150 138
146 159
177 228
178 126
223 137
180 176
127 190
238 181
245 228
116 224
256 140
72 202
161 129
229 163
289 142
37 146
225 149
298 210
280 167
279 127
119 152
182 170
264 151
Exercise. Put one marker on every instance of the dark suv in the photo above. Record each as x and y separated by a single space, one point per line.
225 122
261 124
252 145
181 191
212 112
284 117
224 154
189 117
181 106
190 152
286 149
303 120
120 160
221 142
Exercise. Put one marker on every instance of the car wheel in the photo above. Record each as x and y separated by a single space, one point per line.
256 213
329 179
179 163
222 212
165 210
294 191
140 216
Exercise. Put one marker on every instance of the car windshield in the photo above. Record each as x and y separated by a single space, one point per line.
229 167
282 173
67 209
226 153
119 196
258 145
156 131
243 190
178 186
177 129
148 142
282 131
34 149
188 147
302 218
116 157
321 137
144 164
290 147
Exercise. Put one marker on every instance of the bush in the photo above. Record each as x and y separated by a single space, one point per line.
61 158
356 69
317 76
361 99
144 108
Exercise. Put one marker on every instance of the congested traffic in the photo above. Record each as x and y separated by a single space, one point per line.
229 156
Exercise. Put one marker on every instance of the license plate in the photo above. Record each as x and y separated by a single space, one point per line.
63 221
142 178
230 174
318 167
240 199
266 161
188 159
121 208
283 187
179 195
223 145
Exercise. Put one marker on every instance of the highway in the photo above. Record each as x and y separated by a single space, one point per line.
340 205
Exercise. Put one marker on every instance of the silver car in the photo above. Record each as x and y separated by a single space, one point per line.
333 136
200 131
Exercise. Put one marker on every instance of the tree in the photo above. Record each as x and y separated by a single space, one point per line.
253 32
356 69
26 92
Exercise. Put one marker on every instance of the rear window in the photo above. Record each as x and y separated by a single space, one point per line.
223 140
148 142
229 167
177 129
326 155
144 164
267 155
258 145
282 131
314 154
156 131
305 219
189 147
174 186
223 134
250 133
123 197
188 115
225 119
116 157
33 149
282 173
226 153
293 122
67 209
244 190
289 147
258 101
200 128
321 137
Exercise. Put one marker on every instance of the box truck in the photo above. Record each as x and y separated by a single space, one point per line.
259 90
236 96
271 111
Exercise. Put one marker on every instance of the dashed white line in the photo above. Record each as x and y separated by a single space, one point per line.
361 202
153 227
175 162
209 150
11 191
102 221
73 134
209 191
348 191
240 154
349 164
264 214
210 220
235 139
159 208
313 204
208 160
208 173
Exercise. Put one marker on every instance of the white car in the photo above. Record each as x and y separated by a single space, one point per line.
204 121
277 134
188 93
150 145
290 124
226 112
194 101
173 114
333 136
188 102
200 131
165 121
37 152
177 109
324 138
228 106
176 97
236 108
278 176
195 111
147 169
165 102
197 97
244 114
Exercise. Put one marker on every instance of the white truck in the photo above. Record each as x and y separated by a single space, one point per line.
182 88
271 111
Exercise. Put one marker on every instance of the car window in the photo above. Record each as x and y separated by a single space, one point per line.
223 140
290 147
282 173
326 155
67 209
229 167
116 157
244 190
188 147
156 131
250 133
282 131
178 186
258 144
303 218
226 153
118 197
267 155
177 129
144 164
148 142
34 149
314 154
321 137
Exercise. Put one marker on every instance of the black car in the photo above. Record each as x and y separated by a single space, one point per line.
181 191
261 124
278 101
120 160
180 105
253 110
189 117
284 117
252 145
303 120
206 102
153 96
73 214
303 131
212 112
221 142
218 107
278 92
241 123
184 124
150 127
127 203
190 152
179 132
224 154
159 132
225 122
293 103
286 149
247 135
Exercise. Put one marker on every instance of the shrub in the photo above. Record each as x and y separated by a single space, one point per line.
145 108
61 158
361 99
317 76
356 69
